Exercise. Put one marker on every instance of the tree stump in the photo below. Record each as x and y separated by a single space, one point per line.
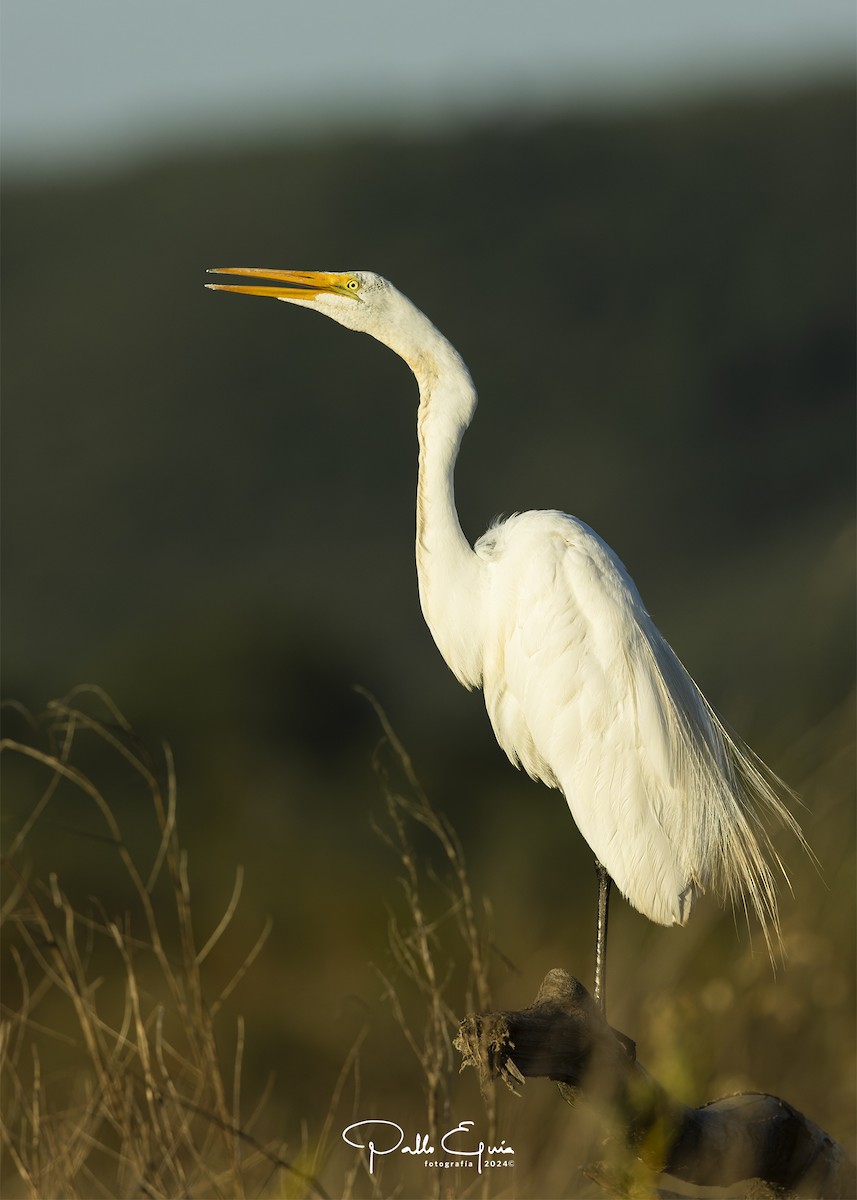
563 1036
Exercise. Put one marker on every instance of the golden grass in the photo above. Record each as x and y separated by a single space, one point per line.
123 1056
113 1061
138 1100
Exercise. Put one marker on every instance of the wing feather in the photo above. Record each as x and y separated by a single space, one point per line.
586 695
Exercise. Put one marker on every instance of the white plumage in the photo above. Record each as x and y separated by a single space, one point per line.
587 696
581 689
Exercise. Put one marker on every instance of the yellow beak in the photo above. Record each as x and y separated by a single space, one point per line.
290 285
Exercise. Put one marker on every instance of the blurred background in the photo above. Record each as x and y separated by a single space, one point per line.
636 225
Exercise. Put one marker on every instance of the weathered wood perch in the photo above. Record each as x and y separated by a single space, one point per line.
750 1136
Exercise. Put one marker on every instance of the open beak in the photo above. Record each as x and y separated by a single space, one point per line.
290 285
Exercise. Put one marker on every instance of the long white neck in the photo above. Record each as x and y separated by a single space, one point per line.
449 572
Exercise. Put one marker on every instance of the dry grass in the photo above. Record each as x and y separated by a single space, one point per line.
122 1054
136 1100
441 944
113 1062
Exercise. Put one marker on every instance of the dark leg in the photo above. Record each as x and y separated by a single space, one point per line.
599 993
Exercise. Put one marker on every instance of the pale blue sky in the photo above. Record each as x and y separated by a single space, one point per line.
88 81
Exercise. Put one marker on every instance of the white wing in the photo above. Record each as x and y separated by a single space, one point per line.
586 695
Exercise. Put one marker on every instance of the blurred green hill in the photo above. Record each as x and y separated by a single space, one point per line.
209 500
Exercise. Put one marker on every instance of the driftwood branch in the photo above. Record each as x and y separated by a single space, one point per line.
564 1037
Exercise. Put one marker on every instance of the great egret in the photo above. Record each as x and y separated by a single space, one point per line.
581 688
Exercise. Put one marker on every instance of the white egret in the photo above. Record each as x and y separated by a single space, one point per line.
581 689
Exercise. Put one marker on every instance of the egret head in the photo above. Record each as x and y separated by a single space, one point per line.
356 299
359 300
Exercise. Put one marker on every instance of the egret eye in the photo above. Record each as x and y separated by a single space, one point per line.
353 285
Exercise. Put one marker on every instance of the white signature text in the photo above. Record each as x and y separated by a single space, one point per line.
386 1137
